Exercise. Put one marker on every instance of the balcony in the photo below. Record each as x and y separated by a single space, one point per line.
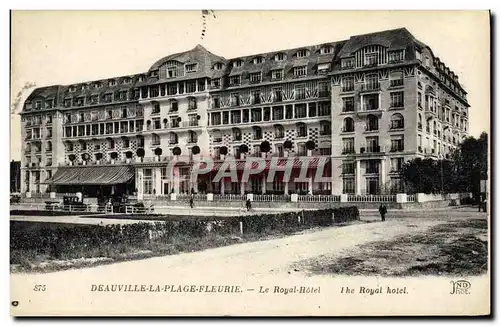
430 114
347 151
395 149
372 149
347 89
394 83
366 87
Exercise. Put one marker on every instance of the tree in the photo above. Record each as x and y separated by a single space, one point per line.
265 147
471 163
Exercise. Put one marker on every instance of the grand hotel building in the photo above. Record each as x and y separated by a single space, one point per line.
367 104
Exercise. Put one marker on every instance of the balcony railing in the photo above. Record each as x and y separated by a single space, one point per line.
346 89
396 82
370 86
372 149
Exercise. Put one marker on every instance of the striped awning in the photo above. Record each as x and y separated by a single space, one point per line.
92 175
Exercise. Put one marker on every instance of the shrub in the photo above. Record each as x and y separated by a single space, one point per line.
346 214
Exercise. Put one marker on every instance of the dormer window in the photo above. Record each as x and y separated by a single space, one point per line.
258 60
327 49
323 68
192 67
112 82
396 56
67 103
84 87
238 63
279 57
371 59
218 66
72 89
141 78
38 105
49 103
277 74
215 83
97 85
255 77
347 63
127 80
302 53
94 99
234 80
300 71
154 73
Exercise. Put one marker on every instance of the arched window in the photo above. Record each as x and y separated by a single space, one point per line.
236 134
192 137
83 145
325 128
397 121
173 138
371 123
49 146
301 129
156 108
434 127
348 125
191 103
174 106
396 78
155 139
419 121
279 131
28 148
111 143
257 133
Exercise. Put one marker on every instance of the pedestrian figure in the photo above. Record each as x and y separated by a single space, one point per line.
249 205
382 210
191 202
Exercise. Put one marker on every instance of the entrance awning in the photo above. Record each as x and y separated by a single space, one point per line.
92 175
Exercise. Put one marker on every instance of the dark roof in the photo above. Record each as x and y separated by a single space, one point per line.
392 39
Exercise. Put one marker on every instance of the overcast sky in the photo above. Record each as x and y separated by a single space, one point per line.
69 47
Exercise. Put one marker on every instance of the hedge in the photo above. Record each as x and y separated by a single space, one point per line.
62 241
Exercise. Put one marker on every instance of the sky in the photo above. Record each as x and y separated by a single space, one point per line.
66 47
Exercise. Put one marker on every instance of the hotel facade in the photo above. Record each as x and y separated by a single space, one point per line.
366 104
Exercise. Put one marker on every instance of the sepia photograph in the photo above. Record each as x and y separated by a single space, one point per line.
250 163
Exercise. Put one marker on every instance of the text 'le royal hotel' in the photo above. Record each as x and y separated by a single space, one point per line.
368 103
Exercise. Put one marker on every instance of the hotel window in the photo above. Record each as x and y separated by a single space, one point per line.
300 92
301 129
348 104
191 103
107 98
300 71
348 185
427 61
48 119
38 105
255 95
277 94
302 53
347 84
323 89
155 140
112 83
258 60
397 164
218 66
301 149
255 77
327 49
372 167
216 119
348 167
324 109
215 83
279 132
397 144
256 115
371 123
124 112
312 110
238 63
277 112
371 59
192 67
235 99
277 74
122 95
279 57
234 80
396 78
289 112
397 121
347 145
216 102
173 106
171 72
94 99
325 151
70 147
156 123
300 111
49 104
125 143
257 133
191 87
370 102
348 125
148 181
347 63
67 103
49 132
97 85
395 56
397 100
81 116
371 82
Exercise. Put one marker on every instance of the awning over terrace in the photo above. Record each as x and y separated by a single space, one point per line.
92 175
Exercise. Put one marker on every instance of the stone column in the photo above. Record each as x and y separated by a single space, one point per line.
242 188
222 186
358 177
157 181
382 173
263 183
139 185
286 188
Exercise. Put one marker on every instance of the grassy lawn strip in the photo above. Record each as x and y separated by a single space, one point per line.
455 248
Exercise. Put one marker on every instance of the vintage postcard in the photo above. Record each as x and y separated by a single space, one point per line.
250 163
